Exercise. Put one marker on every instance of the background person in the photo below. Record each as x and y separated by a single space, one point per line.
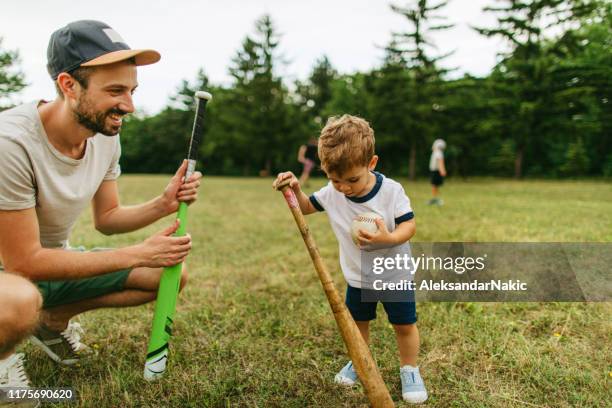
437 170
307 155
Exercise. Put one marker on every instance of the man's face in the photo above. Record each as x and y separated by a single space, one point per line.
355 181
108 97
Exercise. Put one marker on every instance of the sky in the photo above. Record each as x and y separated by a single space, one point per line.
206 34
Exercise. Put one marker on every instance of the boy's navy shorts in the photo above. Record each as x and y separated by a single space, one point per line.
397 312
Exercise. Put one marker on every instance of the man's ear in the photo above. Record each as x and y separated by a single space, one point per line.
68 85
373 163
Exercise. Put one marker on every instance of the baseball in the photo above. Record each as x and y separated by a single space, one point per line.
365 222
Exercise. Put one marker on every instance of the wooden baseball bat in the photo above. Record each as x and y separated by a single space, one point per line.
358 350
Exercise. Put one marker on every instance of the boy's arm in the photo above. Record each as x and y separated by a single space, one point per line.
441 167
402 233
303 200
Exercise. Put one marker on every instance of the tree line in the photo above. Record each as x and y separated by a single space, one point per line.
544 110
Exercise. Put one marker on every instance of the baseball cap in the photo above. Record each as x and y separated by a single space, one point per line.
88 43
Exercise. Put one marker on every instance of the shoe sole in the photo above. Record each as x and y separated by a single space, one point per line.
51 354
419 398
339 379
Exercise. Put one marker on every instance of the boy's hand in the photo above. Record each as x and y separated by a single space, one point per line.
382 236
294 183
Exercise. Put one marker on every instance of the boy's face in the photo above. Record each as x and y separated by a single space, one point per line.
355 182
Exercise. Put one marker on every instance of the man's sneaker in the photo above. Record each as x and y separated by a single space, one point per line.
63 347
13 375
413 387
346 376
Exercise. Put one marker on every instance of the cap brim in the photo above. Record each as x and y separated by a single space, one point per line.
142 57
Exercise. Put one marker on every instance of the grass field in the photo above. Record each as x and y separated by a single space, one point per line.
253 328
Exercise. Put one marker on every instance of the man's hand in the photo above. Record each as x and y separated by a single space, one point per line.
294 183
382 236
162 249
178 191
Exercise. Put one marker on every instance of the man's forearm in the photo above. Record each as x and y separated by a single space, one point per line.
131 218
61 264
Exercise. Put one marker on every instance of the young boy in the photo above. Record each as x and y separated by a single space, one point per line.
346 151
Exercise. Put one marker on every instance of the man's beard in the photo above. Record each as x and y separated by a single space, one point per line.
96 121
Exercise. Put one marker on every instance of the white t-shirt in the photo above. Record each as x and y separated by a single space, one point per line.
436 155
33 173
387 199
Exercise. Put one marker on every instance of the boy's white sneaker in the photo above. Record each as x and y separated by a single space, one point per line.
413 387
346 376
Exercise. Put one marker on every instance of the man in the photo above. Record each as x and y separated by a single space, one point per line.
55 158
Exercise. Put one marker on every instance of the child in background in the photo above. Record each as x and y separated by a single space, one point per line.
346 151
307 155
437 169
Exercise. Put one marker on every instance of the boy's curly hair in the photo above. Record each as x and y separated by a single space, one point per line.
345 142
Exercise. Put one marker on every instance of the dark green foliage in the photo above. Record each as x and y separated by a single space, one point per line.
543 111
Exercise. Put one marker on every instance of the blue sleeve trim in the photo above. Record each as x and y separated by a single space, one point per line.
315 203
404 218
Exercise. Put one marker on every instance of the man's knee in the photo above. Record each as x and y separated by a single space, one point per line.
20 304
27 303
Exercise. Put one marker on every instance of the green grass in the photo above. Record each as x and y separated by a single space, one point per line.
253 328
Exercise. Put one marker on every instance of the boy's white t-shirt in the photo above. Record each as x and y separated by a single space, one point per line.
387 199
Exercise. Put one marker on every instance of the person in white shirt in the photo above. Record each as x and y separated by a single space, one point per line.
437 169
346 151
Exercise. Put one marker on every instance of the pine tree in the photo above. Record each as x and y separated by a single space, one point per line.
12 79
523 78
259 108
416 47
315 93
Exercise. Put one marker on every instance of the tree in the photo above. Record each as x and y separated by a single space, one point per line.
316 92
391 100
415 47
259 107
523 77
12 80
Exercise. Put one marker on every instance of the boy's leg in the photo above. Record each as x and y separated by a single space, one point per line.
403 317
408 343
364 329
362 313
